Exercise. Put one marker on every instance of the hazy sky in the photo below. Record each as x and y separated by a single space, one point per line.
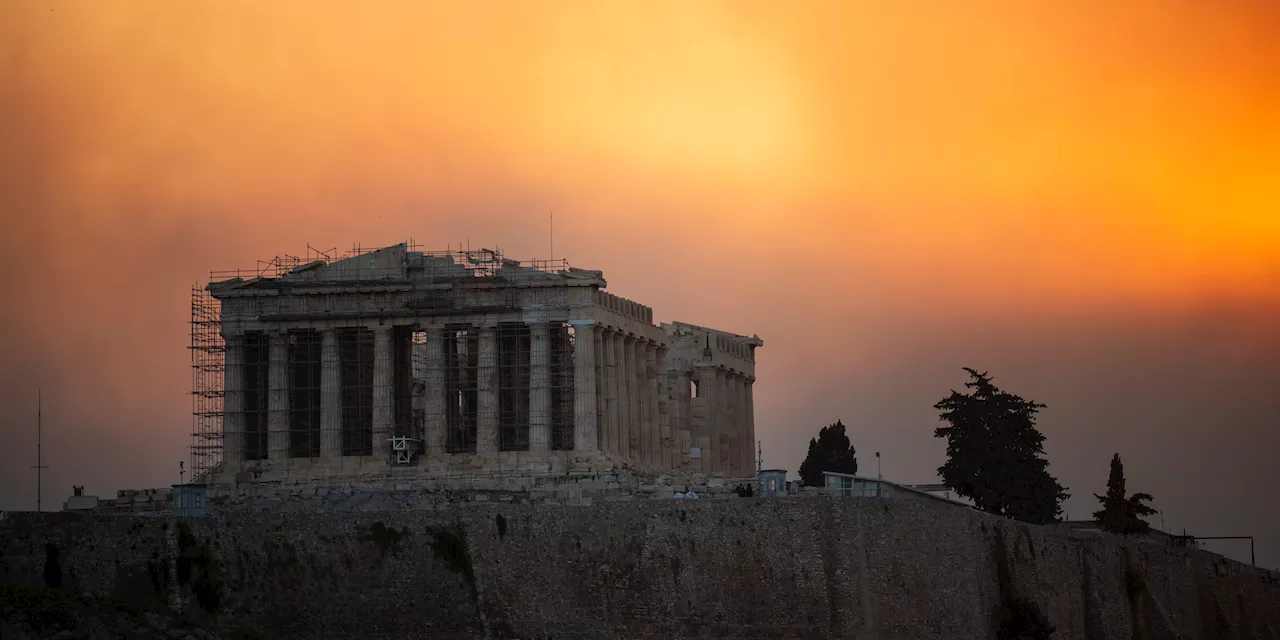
1083 200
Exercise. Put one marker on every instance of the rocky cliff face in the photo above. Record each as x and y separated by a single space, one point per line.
762 568
39 613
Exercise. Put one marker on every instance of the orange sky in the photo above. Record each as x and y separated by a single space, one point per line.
1083 199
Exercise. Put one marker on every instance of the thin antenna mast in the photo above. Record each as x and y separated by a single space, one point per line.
553 237
39 453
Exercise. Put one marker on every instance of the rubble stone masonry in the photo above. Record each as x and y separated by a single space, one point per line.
806 567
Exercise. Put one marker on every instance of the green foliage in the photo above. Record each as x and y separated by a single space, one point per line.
831 451
1121 514
995 453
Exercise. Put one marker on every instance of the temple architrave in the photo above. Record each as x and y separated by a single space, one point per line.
464 362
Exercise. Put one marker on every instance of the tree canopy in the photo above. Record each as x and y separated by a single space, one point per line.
995 454
831 451
1120 514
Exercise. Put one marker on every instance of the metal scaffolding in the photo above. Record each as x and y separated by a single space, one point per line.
562 391
355 348
207 351
304 394
297 399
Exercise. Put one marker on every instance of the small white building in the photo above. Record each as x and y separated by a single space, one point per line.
845 485
80 502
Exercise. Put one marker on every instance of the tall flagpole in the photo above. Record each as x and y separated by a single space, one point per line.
39 452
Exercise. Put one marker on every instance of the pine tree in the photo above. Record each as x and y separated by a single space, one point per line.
994 453
1121 514
831 451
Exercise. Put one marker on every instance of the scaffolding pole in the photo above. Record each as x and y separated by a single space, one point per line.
207 351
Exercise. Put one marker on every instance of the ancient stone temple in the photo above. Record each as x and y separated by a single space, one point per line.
449 363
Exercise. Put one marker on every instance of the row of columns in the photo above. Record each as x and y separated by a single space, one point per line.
623 400
585 432
540 390
234 419
632 399
726 432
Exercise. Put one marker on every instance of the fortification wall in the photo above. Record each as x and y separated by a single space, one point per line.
794 568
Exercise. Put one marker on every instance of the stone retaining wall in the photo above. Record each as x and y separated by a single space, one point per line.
741 568
382 493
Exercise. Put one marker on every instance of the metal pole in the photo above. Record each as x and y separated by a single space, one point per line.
879 475
39 453
39 450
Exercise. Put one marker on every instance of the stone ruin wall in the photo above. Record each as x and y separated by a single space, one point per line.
416 491
797 568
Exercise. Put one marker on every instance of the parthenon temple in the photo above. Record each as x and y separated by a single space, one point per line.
454 362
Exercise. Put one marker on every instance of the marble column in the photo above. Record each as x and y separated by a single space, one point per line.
620 342
434 438
278 398
383 392
233 403
681 418
732 424
633 400
652 410
749 458
610 378
641 401
487 374
712 463
749 382
725 422
330 396
642 404
746 448
666 421
730 441
707 435
742 448
540 387
597 342
586 432
740 426
667 446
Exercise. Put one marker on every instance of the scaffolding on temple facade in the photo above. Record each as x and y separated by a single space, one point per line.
280 384
207 351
